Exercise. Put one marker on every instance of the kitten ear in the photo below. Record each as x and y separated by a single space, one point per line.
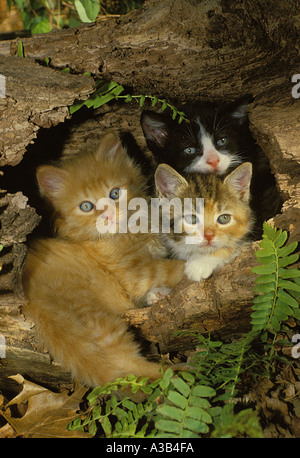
240 180
110 146
167 181
155 128
50 180
240 109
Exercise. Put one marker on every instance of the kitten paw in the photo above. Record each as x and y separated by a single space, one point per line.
157 294
196 270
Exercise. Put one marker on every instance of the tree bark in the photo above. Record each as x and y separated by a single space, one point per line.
178 50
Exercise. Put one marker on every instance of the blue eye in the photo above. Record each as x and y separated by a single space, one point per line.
191 219
115 193
224 219
86 206
222 141
190 150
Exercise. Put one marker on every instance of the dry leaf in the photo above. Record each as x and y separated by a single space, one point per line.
7 432
48 414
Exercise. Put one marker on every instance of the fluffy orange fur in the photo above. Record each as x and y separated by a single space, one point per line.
80 283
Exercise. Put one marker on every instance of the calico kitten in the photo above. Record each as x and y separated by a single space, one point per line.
216 140
81 282
227 217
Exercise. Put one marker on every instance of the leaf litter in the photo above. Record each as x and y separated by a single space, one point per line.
46 414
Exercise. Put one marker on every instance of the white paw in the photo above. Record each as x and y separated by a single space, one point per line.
157 294
196 270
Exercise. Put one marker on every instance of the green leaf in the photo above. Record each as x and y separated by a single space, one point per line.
287 298
195 425
288 273
40 25
164 105
129 405
288 260
106 425
268 297
289 285
285 251
174 114
269 231
102 100
265 287
275 324
177 399
142 100
165 382
181 386
186 375
260 314
198 414
265 279
154 101
264 252
280 315
171 411
262 306
87 9
282 238
168 426
258 320
265 269
284 307
203 391
20 50
199 402
296 314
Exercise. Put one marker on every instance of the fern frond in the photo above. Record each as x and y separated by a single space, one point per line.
275 284
112 90
185 411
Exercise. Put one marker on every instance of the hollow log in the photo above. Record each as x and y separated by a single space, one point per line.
175 49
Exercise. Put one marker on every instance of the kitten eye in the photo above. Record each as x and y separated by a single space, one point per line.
190 150
86 206
224 219
222 141
115 193
191 219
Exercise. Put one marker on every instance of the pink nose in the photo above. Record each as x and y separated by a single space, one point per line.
213 161
209 235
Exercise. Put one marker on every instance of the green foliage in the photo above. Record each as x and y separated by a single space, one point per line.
87 10
243 424
200 401
118 417
185 410
41 16
108 91
278 287
20 50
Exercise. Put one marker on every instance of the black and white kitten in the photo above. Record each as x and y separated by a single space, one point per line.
216 140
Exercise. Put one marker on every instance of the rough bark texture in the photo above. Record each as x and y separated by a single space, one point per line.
175 49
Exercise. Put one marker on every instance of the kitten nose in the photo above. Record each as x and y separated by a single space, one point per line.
213 160
209 235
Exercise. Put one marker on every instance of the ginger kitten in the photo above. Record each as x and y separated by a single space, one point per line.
79 283
207 245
